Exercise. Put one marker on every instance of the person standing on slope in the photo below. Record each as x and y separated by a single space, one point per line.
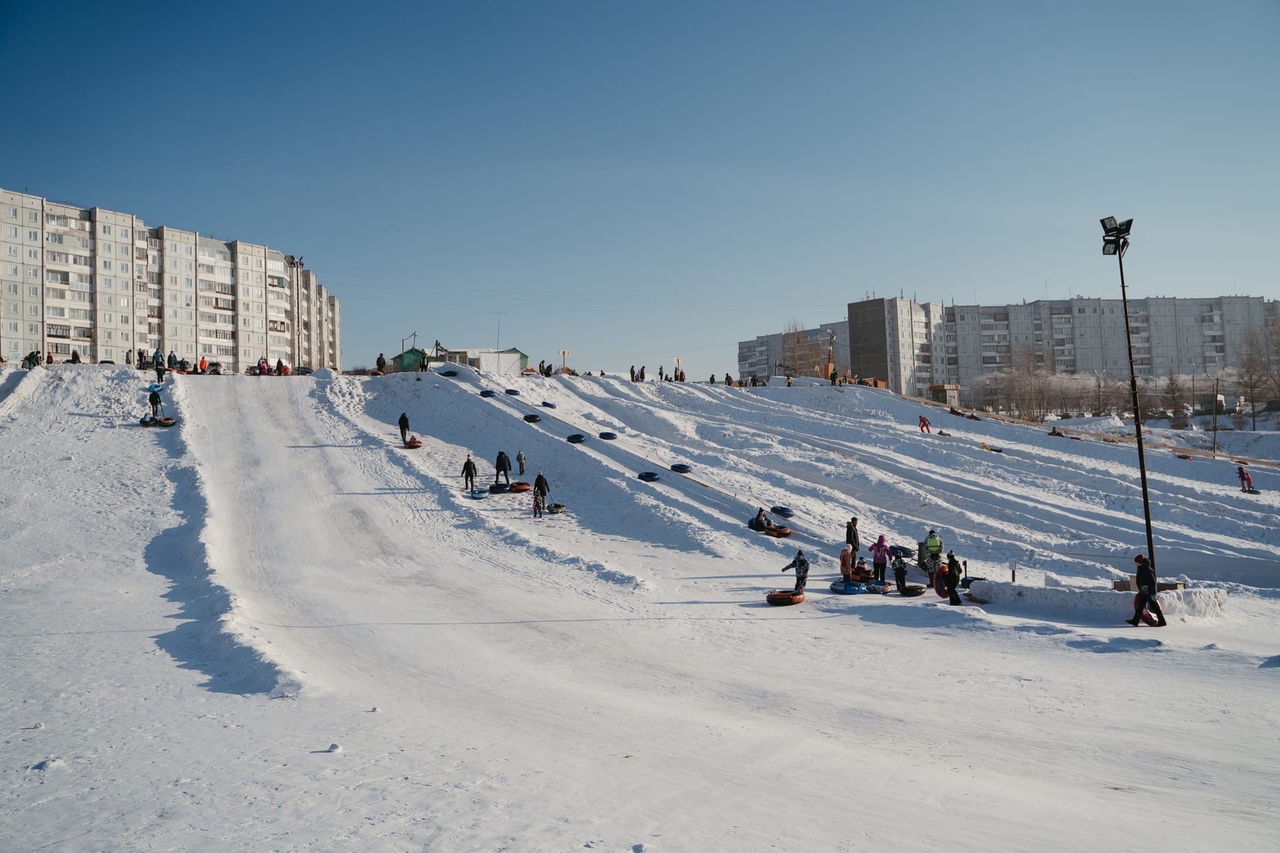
520 460
502 467
469 474
382 363
801 565
1246 480
846 562
924 424
154 400
953 578
1146 599
932 553
404 426
851 534
879 558
541 488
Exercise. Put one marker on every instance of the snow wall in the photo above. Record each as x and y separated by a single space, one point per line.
1097 604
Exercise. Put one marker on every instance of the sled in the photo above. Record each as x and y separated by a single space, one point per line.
513 392
1250 491
149 421
413 444
911 590
371 373
1147 618
848 587
155 386
547 405
783 511
783 597
448 373
520 486
777 531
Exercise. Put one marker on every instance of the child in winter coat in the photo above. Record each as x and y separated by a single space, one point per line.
846 562
900 574
1246 480
880 557
801 565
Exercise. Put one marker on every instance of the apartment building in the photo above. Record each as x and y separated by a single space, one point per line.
103 284
914 345
801 353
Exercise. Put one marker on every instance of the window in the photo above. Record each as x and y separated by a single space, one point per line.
13 213
12 231
106 229
31 216
33 235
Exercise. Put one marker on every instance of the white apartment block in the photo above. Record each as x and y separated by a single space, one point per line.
105 285
768 355
913 345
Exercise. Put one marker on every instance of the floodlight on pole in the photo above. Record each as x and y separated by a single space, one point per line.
1115 241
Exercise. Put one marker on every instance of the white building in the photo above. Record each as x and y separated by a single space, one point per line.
104 285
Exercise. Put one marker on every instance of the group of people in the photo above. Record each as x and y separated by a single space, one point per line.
501 471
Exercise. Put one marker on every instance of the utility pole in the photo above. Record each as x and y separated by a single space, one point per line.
498 344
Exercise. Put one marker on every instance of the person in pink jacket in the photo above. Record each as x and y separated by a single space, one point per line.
879 558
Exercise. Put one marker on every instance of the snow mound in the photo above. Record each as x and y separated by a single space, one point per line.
1097 604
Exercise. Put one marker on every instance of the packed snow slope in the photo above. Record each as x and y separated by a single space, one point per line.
271 627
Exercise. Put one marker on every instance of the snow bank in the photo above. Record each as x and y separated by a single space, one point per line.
1096 604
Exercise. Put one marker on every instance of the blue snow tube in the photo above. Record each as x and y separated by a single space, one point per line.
479 493
513 392
448 373
608 436
576 438
848 587
784 511
533 419
681 468
488 392
648 476
547 405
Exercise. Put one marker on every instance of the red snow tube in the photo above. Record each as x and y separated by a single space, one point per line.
940 582
777 531
413 443
1147 618
519 486
783 597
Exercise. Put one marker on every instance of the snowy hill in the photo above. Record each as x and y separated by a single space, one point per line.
194 616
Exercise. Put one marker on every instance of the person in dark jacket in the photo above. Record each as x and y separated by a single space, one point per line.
851 535
728 380
1246 479
540 491
404 426
382 363
502 467
801 565
900 574
173 360
520 460
953 578
1146 593
154 400
469 474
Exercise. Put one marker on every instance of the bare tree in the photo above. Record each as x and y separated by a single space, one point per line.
1173 396
1253 377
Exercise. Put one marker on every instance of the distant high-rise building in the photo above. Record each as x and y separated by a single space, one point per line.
105 285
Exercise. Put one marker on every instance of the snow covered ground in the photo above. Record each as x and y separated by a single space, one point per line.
272 628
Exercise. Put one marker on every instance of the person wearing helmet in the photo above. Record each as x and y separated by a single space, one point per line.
1146 599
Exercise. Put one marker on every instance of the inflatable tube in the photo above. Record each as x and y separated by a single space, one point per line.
532 419
519 486
783 597
413 444
777 531
499 488
488 392
608 436
648 476
911 590
513 392
940 582
555 508
879 587
784 511
681 468
547 405
155 386
479 493
576 438
1147 618
157 422
847 587
448 373
901 551
371 373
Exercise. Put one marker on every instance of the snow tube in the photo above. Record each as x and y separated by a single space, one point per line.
648 476
371 373
547 405
901 551
966 582
158 422
912 590
448 373
488 392
681 468
608 436
940 582
879 587
519 486
777 531
532 419
155 386
783 597
845 587
413 443
479 493
576 438
499 488
513 392
1147 618
784 511
555 508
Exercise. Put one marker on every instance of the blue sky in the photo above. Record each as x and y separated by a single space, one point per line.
634 182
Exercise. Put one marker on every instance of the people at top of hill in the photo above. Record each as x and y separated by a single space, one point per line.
157 358
75 356
382 363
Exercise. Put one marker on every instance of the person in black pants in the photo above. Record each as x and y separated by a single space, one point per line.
404 426
953 578
801 565
469 474
851 535
1146 593
502 467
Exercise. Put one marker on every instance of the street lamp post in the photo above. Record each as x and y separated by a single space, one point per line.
1215 417
1115 241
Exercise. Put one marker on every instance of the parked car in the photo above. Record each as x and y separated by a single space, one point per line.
252 370
214 368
